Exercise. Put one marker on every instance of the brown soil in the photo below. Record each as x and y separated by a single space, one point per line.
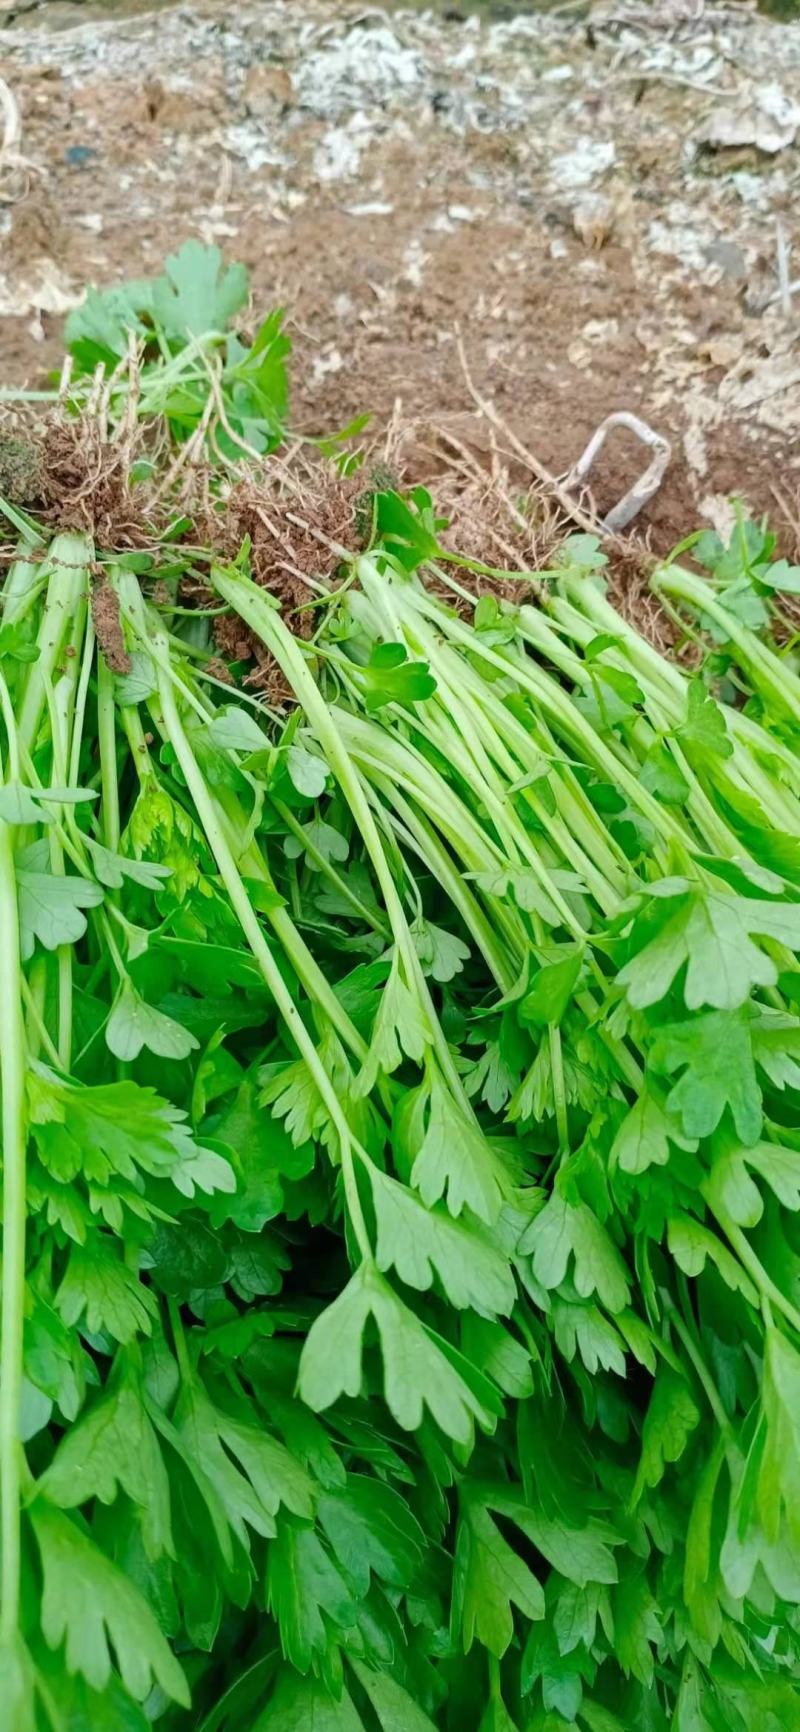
160 127
297 528
108 626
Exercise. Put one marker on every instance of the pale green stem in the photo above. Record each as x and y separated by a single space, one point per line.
253 606
107 738
245 913
12 1074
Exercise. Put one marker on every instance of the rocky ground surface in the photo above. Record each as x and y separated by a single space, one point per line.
601 201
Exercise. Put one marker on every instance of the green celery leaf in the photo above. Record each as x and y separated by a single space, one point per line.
552 989
114 1448
389 677
371 1529
411 535
778 1492
195 295
306 1593
134 1024
781 575
90 1606
97 330
250 1471
113 868
661 776
637 1628
401 1029
304 1705
395 1709
711 932
498 1354
562 1230
705 728
452 1158
583 1329
307 773
421 1243
19 805
582 1552
644 1136
100 1289
715 1056
488 1578
441 954
417 1374
118 1128
50 906
692 1245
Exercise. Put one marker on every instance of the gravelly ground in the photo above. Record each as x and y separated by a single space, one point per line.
593 197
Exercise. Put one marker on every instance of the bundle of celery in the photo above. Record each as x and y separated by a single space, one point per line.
401 1149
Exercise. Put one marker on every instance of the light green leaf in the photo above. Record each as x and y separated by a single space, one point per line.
305 1593
637 1630
100 1289
235 729
441 953
422 1243
18 805
489 1577
90 1606
112 868
308 773
581 1553
498 1354
401 1030
114 1448
715 1055
584 1330
453 1159
417 1374
50 906
779 1472
563 1230
251 1472
552 990
372 1531
692 1244
134 1024
705 727
197 294
304 1705
644 1137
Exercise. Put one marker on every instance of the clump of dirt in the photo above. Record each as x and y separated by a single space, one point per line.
21 469
104 603
628 574
299 529
87 486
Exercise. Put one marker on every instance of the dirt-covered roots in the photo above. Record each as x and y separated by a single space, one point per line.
108 624
63 470
87 483
298 527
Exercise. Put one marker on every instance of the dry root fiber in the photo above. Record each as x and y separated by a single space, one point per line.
64 471
87 486
300 524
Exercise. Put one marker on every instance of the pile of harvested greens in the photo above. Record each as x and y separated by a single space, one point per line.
400 1057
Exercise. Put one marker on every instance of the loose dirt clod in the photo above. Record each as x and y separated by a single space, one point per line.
87 486
21 469
108 626
294 524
